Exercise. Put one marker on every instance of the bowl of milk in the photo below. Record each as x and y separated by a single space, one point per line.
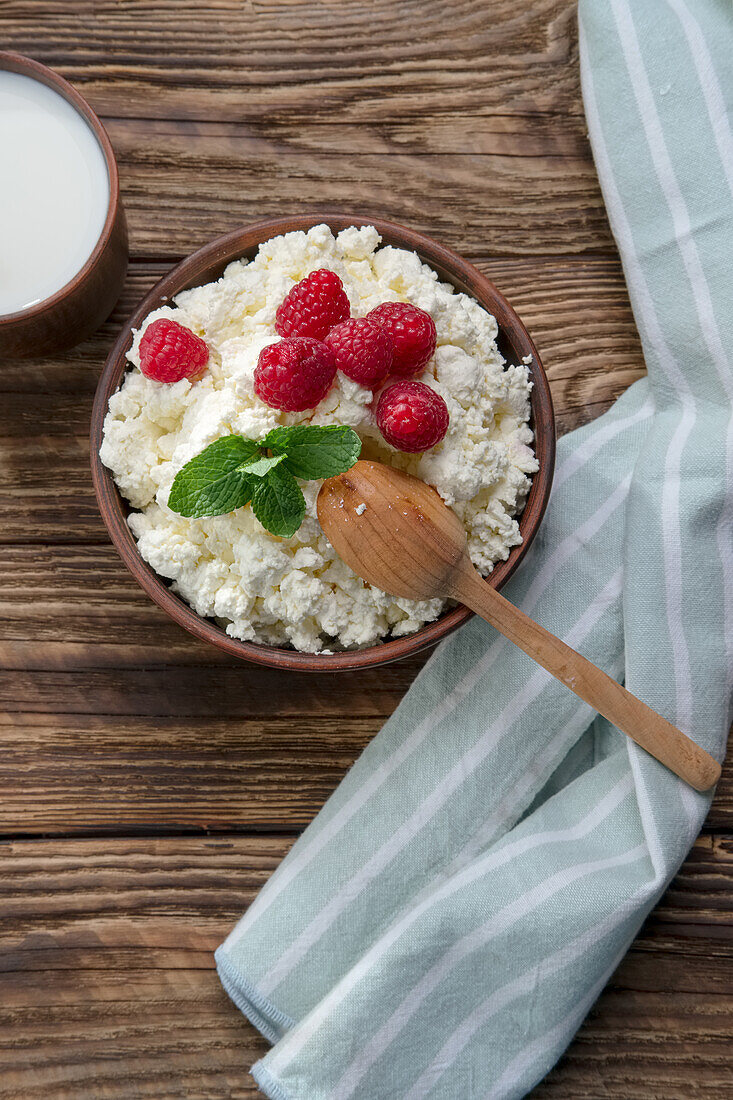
62 225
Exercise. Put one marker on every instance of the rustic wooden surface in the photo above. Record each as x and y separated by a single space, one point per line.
149 786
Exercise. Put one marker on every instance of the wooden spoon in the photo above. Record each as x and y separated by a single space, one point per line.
395 532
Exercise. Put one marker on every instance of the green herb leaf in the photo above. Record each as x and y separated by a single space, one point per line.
213 482
233 471
278 502
315 452
258 467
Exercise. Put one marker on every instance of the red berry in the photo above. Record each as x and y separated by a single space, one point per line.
411 416
413 334
363 351
313 306
170 352
294 374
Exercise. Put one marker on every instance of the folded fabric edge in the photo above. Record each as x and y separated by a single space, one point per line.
268 1084
269 1020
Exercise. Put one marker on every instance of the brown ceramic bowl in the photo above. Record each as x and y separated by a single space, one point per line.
80 307
209 263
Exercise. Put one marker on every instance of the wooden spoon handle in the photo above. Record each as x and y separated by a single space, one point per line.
638 721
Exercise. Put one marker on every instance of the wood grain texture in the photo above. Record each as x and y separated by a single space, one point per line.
514 204
66 774
361 61
461 119
91 933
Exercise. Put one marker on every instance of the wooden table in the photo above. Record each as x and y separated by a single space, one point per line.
148 787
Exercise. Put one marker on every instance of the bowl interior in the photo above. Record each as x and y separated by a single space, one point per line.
208 264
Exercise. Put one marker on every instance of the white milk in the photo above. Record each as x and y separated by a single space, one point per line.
54 191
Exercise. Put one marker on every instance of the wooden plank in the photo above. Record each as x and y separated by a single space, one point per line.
67 773
221 750
516 134
366 61
577 310
92 773
219 690
515 204
107 987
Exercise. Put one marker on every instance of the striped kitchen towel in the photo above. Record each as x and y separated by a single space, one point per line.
448 919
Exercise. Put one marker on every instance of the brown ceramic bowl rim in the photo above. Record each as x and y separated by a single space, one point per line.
26 66
214 257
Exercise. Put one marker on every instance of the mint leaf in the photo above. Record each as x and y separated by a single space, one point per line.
258 467
278 502
213 483
233 471
315 452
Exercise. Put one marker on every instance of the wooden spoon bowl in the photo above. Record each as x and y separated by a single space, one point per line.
209 263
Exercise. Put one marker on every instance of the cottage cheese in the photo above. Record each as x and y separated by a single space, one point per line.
297 591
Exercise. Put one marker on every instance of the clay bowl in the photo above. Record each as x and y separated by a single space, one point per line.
209 263
78 308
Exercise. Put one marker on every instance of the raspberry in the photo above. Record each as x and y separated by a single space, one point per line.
413 333
313 306
170 352
363 351
294 374
411 416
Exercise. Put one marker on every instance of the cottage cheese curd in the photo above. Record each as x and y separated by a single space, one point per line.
297 591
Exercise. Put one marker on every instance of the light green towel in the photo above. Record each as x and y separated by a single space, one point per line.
448 919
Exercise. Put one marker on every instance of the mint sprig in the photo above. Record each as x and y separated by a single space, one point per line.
234 471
